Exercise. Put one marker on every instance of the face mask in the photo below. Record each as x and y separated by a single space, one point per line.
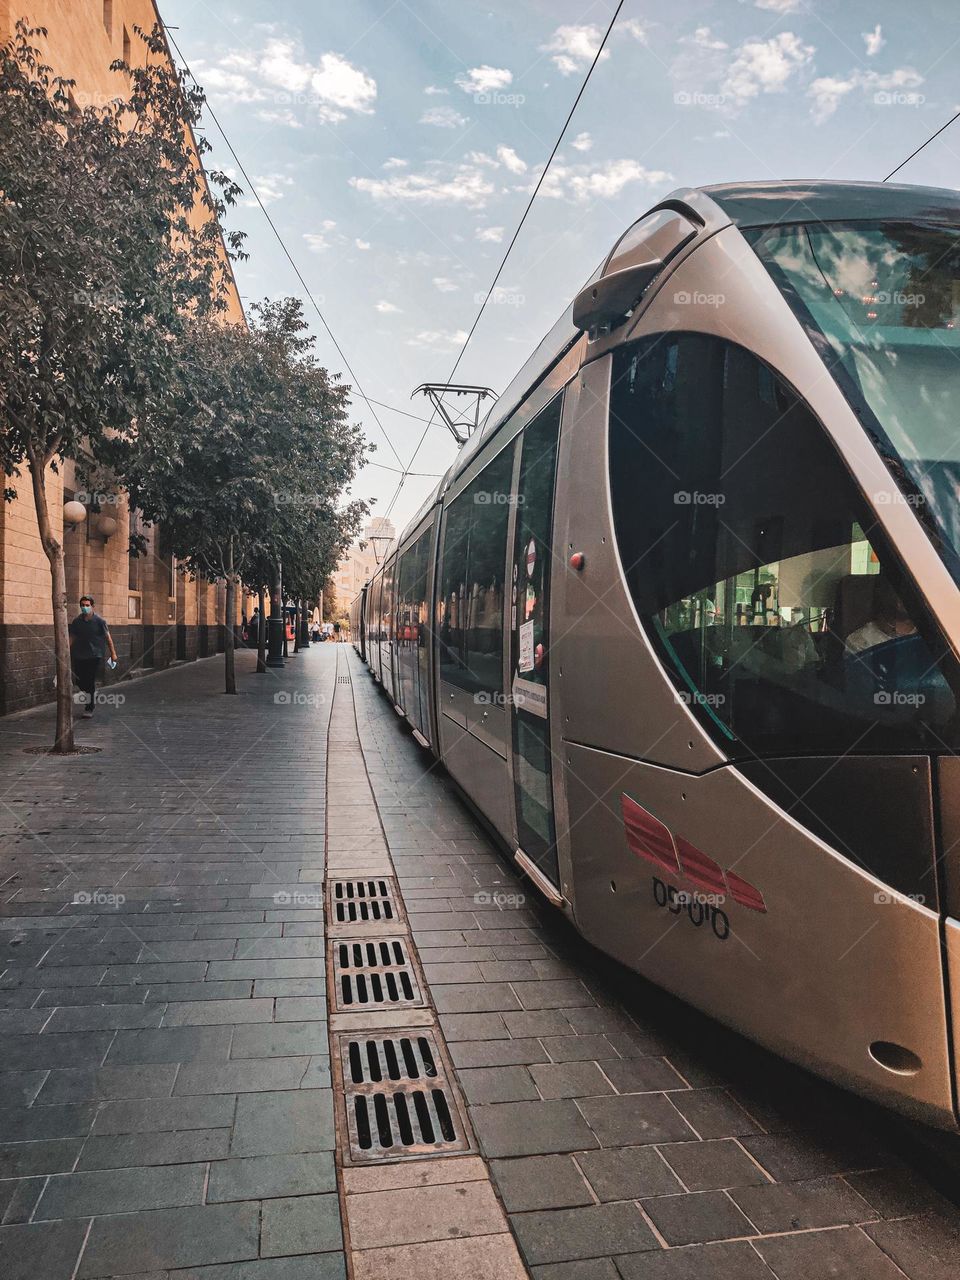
86 608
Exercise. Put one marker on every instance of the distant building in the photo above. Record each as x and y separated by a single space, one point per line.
362 559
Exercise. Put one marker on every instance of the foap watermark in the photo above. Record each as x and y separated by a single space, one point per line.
898 499
288 498
898 98
883 898
98 898
98 298
694 498
486 498
496 98
298 898
496 699
97 499
695 98
294 698
692 897
898 698
698 298
697 699
101 698
501 297
498 898
896 298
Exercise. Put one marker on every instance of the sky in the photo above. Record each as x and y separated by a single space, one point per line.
395 144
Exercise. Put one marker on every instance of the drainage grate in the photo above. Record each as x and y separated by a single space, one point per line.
343 679
398 1100
374 973
359 900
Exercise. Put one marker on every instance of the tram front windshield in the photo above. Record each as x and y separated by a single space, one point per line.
881 302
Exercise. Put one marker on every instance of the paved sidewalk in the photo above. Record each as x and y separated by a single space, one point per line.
166 1105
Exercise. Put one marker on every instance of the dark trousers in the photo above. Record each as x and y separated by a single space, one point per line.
85 670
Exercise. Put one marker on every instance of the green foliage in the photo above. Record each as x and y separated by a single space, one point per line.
244 460
109 240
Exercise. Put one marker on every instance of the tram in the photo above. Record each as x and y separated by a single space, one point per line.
682 620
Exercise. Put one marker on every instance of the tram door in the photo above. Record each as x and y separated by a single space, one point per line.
530 642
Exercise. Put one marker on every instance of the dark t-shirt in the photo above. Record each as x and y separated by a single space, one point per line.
89 634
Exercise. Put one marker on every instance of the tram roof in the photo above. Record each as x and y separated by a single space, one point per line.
746 204
762 204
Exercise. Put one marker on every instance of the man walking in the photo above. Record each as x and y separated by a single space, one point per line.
90 639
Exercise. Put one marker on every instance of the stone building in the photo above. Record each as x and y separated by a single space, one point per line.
362 559
156 614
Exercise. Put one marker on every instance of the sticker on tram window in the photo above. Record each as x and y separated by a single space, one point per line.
526 656
530 696
650 839
531 557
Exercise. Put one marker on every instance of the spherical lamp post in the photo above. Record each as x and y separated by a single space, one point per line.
74 513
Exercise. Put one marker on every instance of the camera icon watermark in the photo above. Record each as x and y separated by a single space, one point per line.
98 898
883 898
498 898
698 298
688 498
298 898
898 98
898 698
294 698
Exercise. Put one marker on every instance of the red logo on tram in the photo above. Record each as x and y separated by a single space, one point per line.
649 839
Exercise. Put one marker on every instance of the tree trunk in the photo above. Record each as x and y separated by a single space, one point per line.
53 549
261 631
229 633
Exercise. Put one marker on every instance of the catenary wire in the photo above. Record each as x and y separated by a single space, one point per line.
513 240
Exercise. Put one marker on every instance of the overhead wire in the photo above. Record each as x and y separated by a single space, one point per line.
921 146
513 240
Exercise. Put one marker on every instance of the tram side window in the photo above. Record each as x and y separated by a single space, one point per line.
470 622
749 556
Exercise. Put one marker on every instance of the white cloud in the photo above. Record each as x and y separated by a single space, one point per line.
703 38
444 285
780 6
385 308
632 28
765 66
827 92
462 184
443 118
874 40
489 235
282 74
582 142
433 89
362 244
580 183
270 187
481 157
438 338
484 79
510 160
284 117
572 48
394 162
319 240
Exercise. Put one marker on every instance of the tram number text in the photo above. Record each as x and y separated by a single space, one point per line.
698 909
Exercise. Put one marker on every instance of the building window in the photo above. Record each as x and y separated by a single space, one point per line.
108 17
133 606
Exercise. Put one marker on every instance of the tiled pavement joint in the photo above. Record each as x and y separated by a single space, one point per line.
431 1212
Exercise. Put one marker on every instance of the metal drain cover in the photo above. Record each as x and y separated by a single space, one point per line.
368 974
370 900
398 1098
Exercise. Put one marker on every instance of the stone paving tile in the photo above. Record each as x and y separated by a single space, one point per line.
562 1235
541 1182
846 1253
165 1104
415 1215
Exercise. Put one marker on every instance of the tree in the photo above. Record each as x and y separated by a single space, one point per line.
110 242
244 458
